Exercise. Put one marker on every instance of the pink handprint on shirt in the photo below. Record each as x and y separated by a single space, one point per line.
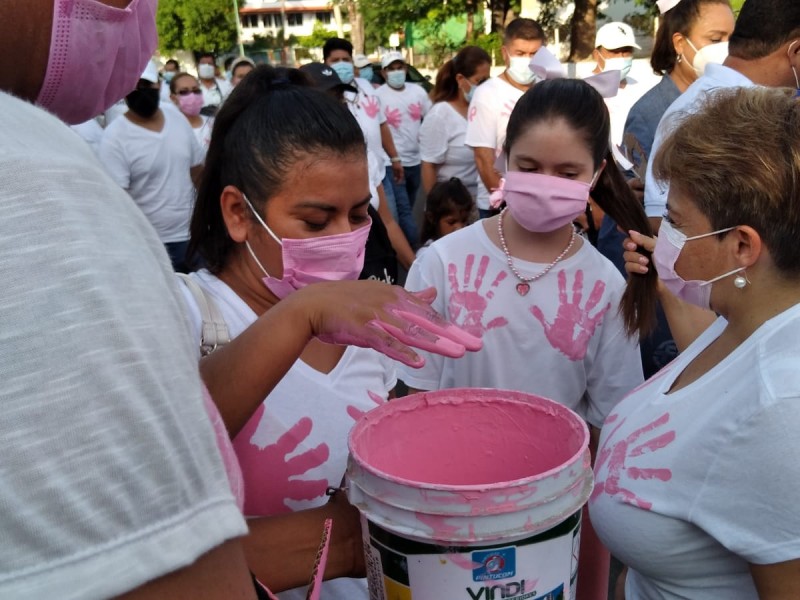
271 477
356 413
618 453
393 117
466 306
415 111
573 328
508 108
371 106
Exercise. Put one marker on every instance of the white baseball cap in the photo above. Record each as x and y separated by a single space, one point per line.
360 61
391 57
614 35
150 72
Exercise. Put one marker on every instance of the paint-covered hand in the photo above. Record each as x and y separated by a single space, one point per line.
371 314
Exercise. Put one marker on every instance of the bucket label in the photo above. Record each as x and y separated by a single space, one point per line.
543 567
494 564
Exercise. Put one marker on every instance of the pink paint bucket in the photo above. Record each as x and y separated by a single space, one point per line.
470 493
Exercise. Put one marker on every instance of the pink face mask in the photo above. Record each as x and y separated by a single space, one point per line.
542 203
97 54
669 244
191 104
312 260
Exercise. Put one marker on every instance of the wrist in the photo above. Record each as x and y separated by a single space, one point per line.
395 159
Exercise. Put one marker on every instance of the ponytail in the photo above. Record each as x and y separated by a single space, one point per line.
446 86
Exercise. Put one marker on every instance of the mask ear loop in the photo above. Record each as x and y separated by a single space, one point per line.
794 71
269 231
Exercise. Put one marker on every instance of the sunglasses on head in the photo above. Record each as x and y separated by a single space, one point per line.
195 90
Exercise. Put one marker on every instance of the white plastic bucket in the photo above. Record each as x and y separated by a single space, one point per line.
470 493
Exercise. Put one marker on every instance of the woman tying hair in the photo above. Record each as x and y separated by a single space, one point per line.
697 476
282 205
441 136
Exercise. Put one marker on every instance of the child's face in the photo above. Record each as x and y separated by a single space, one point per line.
452 222
552 148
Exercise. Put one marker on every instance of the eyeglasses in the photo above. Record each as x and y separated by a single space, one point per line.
195 90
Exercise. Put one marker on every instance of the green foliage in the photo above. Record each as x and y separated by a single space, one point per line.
199 25
389 16
491 42
318 37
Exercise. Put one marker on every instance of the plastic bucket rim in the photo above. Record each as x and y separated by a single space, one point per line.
474 395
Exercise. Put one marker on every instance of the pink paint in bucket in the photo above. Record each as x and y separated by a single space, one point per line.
470 493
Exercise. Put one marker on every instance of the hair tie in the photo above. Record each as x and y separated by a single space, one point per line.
665 5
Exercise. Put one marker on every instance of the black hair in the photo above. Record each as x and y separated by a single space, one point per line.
764 26
679 19
465 63
173 62
336 43
272 119
523 29
228 62
202 55
445 198
584 110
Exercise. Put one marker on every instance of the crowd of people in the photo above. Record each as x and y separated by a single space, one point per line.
200 297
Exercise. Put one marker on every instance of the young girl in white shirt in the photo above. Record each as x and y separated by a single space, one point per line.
448 208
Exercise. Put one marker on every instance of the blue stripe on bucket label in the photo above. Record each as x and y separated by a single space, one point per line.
542 567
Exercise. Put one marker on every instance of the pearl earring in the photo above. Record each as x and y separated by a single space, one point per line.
740 281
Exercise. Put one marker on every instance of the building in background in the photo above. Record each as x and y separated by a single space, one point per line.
295 17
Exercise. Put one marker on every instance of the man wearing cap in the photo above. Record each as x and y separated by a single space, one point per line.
494 100
153 154
404 105
239 68
364 69
614 45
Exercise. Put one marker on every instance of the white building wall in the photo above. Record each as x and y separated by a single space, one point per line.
295 17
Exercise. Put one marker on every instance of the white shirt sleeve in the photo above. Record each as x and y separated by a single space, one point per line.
433 136
655 192
482 120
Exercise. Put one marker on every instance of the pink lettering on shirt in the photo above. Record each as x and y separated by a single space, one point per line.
467 306
613 459
573 326
271 476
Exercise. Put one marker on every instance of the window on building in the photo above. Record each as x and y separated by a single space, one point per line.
324 18
250 21
266 20
294 19
278 19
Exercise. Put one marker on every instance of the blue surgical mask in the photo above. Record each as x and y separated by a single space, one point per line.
168 75
366 73
396 79
344 70
468 95
619 63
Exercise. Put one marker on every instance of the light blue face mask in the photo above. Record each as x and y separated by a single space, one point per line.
344 70
468 95
168 75
366 73
396 79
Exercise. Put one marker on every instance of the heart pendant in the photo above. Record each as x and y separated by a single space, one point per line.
523 288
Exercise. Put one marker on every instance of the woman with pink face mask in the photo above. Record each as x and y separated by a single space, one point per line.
555 316
187 95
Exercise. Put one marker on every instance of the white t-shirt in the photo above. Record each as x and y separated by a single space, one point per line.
714 77
489 112
620 105
153 167
91 132
203 133
589 370
367 109
110 475
693 485
295 446
404 110
216 94
441 142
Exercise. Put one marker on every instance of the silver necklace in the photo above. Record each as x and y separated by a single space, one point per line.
524 285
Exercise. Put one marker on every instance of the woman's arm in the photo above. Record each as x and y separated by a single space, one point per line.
429 171
780 581
405 254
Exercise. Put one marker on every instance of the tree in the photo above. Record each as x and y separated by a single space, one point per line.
319 35
199 25
583 29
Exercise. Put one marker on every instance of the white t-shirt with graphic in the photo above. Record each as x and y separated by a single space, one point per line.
153 167
441 141
367 109
693 485
404 110
564 340
295 446
487 120
203 133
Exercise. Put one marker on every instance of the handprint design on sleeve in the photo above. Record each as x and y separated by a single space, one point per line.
393 117
415 111
573 326
371 106
271 477
467 306
616 454
356 413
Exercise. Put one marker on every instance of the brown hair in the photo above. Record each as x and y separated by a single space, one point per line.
679 19
173 84
584 109
745 172
465 63
523 29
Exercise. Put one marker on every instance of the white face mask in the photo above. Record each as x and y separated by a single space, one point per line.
621 63
205 71
710 54
519 70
